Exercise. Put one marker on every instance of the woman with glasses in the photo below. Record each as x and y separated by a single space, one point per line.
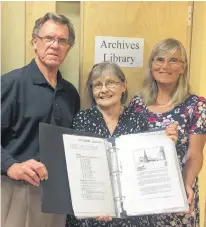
166 98
108 117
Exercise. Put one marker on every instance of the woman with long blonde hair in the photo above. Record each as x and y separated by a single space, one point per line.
166 98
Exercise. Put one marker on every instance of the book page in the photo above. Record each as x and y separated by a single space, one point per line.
150 179
89 176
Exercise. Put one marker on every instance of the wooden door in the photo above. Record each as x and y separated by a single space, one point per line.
152 21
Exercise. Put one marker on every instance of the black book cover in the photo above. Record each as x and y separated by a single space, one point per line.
55 192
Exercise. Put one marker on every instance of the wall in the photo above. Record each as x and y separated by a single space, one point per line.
16 50
12 37
70 67
198 81
34 10
152 21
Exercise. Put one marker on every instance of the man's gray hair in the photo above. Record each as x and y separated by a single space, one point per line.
58 19
99 70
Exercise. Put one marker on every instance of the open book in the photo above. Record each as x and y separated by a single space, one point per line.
134 174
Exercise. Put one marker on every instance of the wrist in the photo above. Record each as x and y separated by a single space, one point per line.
188 182
7 164
11 170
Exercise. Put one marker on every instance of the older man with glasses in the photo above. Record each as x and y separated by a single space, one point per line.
30 95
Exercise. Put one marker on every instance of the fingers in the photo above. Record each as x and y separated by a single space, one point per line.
22 171
172 134
28 174
172 131
190 198
33 172
29 179
104 218
192 206
30 171
39 168
174 138
173 126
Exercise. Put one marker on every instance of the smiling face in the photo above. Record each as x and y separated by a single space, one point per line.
108 90
47 53
167 69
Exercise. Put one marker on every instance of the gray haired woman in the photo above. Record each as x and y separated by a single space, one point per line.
108 117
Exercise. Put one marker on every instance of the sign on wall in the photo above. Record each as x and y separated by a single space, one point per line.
126 52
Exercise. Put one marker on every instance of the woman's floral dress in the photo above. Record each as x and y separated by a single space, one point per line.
91 120
191 116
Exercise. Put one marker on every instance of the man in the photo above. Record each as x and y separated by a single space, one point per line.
35 93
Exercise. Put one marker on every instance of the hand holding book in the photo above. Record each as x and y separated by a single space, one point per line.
172 131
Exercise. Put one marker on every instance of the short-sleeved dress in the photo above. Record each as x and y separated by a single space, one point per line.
191 116
91 120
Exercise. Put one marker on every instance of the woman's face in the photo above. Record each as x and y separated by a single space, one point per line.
107 90
167 69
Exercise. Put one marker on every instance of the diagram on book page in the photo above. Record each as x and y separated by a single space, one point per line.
150 158
152 170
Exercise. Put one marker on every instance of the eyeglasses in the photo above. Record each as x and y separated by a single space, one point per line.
109 84
171 61
51 40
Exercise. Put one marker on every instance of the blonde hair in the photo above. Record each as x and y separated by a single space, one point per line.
150 90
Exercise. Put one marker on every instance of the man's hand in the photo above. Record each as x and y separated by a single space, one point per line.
30 171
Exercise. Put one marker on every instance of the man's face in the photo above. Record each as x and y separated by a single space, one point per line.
51 44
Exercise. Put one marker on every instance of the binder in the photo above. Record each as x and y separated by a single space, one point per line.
90 176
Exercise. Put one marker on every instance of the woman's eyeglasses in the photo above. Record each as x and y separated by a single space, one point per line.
109 84
171 61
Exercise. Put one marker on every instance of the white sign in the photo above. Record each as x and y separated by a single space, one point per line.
126 52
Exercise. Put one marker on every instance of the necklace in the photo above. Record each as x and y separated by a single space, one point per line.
167 104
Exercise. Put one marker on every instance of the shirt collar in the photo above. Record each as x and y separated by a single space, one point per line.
38 77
